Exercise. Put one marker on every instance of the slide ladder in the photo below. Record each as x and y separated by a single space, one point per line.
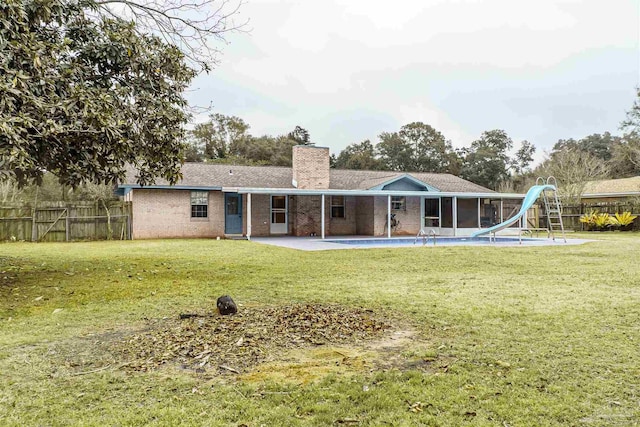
552 206
549 191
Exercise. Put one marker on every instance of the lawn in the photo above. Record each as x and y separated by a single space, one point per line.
545 336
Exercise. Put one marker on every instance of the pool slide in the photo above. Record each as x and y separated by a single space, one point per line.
529 200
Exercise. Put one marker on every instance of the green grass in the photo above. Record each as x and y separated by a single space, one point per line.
545 336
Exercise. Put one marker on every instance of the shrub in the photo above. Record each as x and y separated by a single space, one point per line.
602 221
623 220
589 219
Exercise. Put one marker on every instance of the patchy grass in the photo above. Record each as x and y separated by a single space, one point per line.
499 336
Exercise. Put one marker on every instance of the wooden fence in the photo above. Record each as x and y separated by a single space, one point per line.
571 213
66 221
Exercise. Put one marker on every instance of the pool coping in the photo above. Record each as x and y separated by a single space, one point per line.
318 244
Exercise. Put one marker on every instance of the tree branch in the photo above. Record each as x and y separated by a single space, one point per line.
190 26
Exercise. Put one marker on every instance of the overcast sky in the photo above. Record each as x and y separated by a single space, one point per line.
347 70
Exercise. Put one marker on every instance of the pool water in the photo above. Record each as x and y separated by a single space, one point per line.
449 241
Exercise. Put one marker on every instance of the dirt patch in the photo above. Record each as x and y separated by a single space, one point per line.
297 343
255 336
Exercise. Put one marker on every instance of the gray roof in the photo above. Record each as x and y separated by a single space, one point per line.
612 186
343 179
217 175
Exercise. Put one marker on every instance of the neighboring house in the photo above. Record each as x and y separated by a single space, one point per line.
310 199
611 190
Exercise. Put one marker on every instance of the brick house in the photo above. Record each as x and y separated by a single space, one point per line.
310 199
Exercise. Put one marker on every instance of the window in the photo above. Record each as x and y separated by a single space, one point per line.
398 203
337 207
199 204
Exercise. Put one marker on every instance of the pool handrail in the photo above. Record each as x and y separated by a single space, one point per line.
425 236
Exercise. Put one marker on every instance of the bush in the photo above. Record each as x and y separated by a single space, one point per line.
594 220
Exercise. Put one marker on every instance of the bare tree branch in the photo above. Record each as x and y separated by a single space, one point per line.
573 168
195 27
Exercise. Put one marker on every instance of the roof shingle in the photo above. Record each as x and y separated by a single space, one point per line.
621 185
217 175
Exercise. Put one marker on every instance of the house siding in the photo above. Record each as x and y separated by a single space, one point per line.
167 214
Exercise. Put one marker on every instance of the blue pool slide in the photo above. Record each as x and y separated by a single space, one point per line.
529 200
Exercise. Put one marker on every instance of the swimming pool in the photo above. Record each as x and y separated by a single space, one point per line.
448 241
363 242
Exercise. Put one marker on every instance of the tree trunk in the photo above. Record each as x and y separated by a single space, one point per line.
109 230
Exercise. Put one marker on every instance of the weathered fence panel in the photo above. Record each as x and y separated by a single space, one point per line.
66 221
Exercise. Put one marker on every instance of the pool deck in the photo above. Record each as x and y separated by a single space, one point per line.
317 244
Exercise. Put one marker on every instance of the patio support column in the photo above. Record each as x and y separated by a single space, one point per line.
454 208
389 216
248 216
322 217
501 209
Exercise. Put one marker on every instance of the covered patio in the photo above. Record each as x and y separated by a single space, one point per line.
328 212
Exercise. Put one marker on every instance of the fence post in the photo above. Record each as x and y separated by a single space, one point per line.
130 220
66 226
34 227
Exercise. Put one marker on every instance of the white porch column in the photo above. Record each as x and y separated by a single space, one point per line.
501 209
322 217
389 216
454 208
248 216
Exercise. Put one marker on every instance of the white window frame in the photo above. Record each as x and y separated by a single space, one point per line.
335 205
196 198
398 203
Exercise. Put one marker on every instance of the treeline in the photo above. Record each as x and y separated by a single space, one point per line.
415 147
493 160
226 139
51 190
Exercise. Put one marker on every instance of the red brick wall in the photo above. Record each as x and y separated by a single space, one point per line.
364 216
305 217
409 219
167 213
260 214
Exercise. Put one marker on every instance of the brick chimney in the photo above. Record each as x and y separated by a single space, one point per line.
310 167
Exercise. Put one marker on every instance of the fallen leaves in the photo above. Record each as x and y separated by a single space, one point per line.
234 343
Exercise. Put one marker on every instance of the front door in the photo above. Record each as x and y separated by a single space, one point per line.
279 215
232 213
